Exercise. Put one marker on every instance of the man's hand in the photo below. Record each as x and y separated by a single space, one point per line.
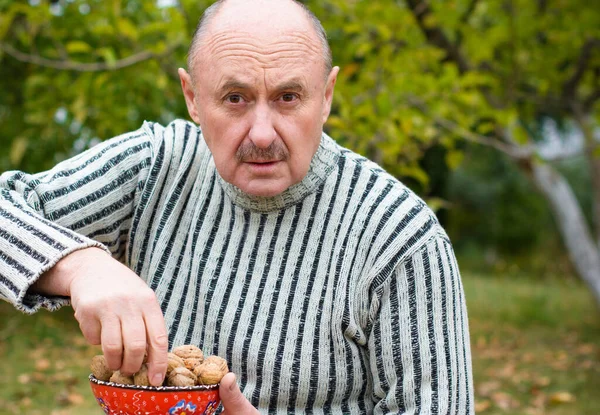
234 402
114 307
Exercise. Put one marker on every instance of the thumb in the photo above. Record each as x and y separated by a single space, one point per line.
234 402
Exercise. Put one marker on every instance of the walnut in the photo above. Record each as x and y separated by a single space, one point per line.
118 377
141 377
209 373
186 367
100 368
189 351
180 376
222 363
173 361
191 363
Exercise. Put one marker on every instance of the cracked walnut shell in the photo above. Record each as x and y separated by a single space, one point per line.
209 373
180 376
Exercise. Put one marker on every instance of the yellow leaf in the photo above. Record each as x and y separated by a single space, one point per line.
486 127
562 397
42 364
24 379
17 150
504 401
385 32
481 406
416 173
127 28
430 21
77 46
335 122
75 399
353 28
542 381
350 69
520 134
436 203
454 158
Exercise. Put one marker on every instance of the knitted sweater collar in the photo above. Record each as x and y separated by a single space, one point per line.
323 163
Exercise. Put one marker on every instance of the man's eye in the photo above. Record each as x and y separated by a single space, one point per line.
289 97
234 98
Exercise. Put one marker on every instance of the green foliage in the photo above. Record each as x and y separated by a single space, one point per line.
400 99
519 52
44 111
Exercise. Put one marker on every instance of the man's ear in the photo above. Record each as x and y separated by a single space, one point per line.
329 86
188 93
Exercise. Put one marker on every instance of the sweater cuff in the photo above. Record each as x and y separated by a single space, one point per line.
29 246
30 302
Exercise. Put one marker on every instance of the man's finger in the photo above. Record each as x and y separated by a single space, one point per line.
134 344
158 345
234 402
91 330
112 343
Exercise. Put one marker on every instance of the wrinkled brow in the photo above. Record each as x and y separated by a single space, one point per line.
233 84
290 86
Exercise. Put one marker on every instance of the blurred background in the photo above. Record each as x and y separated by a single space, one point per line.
488 109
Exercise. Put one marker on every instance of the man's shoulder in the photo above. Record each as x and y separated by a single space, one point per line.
176 129
178 148
380 187
176 139
400 218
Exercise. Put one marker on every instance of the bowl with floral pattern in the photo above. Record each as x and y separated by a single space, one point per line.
115 398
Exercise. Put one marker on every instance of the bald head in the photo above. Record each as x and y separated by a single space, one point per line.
257 16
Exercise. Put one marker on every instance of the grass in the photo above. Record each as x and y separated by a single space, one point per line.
535 345
45 364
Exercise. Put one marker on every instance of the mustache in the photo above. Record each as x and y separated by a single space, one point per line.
249 152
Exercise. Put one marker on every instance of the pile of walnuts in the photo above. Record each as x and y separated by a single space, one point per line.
187 367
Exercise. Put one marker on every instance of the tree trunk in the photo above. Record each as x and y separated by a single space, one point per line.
591 145
571 223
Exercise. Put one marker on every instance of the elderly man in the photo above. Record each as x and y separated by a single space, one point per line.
328 285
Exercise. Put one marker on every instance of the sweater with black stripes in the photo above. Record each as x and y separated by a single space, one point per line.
340 295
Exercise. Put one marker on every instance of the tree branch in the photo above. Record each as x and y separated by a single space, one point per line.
589 102
513 150
420 10
469 12
81 66
570 86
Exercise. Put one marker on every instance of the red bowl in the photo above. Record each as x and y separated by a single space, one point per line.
115 399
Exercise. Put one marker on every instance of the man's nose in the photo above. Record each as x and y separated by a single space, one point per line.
262 132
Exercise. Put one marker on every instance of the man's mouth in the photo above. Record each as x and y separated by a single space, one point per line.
262 162
263 167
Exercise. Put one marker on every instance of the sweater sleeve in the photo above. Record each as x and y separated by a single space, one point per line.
82 202
419 344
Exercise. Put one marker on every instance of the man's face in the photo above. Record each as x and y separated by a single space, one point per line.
261 101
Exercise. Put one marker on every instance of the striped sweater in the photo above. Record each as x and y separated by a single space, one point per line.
341 295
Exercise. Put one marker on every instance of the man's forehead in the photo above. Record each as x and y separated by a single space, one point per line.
242 57
265 46
262 25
